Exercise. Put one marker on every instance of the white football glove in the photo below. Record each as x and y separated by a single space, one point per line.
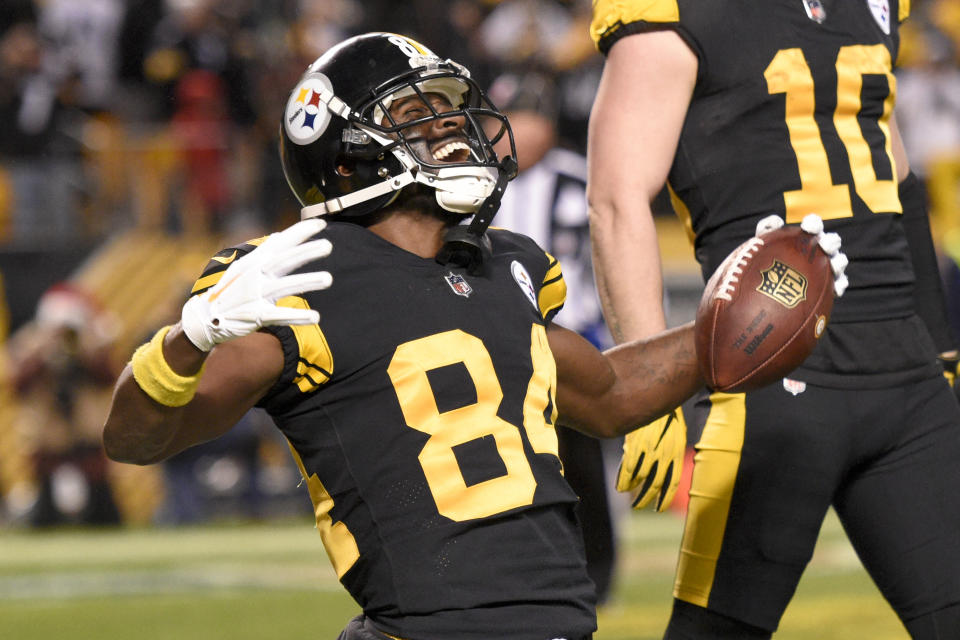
245 297
829 242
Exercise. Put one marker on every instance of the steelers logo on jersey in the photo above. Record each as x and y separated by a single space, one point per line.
306 115
526 283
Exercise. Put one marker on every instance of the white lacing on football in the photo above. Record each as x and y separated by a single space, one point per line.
732 271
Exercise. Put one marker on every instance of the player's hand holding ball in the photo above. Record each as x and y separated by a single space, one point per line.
245 297
768 303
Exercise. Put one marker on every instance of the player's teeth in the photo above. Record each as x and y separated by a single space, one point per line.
447 149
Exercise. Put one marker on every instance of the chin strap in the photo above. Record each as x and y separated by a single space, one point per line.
466 245
333 205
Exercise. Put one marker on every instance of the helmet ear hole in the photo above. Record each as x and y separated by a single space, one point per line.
346 166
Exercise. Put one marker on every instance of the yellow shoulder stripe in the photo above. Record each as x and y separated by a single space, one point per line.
315 364
553 291
904 10
610 15
207 281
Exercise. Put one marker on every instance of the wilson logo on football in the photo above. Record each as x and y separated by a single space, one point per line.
784 284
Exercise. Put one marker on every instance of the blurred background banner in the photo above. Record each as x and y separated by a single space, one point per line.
139 137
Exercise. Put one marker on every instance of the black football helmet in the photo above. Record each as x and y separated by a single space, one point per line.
338 115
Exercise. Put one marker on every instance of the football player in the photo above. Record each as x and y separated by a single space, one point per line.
421 405
784 106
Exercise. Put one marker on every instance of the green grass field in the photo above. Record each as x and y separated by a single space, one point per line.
264 581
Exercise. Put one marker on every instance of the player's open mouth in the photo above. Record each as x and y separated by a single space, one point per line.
456 151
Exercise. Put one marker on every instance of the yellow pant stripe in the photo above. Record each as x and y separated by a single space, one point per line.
715 470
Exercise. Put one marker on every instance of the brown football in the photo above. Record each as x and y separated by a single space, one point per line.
763 310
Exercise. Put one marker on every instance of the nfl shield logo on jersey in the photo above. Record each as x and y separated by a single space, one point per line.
881 13
796 387
459 284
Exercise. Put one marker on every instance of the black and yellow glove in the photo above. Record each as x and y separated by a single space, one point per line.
653 461
949 360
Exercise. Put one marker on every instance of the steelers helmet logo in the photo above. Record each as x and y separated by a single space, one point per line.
307 116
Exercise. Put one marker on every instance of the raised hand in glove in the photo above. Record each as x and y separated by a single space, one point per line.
653 461
245 297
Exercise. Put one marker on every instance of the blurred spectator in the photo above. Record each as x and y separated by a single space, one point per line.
37 160
547 201
320 24
455 30
551 36
928 114
201 131
202 34
62 373
928 104
198 176
82 40
82 60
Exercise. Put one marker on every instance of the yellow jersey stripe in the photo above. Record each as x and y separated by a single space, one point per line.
207 281
315 364
339 543
553 290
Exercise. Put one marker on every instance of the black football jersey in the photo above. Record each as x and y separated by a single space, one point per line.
421 413
790 115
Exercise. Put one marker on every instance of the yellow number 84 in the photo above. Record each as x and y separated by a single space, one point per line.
454 498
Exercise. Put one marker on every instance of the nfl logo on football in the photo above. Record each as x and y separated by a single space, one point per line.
784 284
459 285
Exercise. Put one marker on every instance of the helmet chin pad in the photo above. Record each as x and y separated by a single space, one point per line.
461 189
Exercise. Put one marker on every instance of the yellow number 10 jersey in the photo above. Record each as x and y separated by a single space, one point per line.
790 115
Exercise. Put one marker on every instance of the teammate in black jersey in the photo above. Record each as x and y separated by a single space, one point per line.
786 106
419 393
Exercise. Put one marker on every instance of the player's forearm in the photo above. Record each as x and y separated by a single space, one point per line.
626 259
634 129
637 382
139 429
656 374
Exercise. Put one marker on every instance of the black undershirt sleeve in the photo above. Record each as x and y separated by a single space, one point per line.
929 299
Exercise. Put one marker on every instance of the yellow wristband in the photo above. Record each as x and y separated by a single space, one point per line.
157 379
